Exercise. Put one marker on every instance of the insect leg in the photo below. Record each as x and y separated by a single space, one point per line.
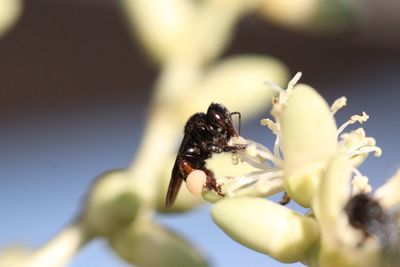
234 148
211 183
185 167
285 199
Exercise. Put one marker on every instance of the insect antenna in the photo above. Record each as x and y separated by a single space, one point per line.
240 118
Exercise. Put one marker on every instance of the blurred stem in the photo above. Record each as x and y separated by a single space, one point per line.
163 126
61 249
156 146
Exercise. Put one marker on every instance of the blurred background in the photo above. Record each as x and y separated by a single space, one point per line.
76 84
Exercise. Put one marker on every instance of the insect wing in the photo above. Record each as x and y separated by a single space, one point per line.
176 176
174 185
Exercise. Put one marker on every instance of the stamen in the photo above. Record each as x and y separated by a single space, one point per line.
360 185
338 104
356 171
357 143
257 178
353 119
294 81
360 118
274 87
277 153
256 161
242 181
365 150
273 126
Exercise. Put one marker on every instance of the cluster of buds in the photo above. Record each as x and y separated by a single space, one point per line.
315 163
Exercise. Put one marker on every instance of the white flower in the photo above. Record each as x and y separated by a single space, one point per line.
306 138
316 164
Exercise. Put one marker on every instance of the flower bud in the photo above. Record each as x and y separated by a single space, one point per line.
266 227
308 140
148 244
317 16
10 11
111 204
237 82
161 25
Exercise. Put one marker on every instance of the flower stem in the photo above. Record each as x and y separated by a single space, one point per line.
61 249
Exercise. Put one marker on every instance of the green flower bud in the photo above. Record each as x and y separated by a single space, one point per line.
266 227
148 244
111 204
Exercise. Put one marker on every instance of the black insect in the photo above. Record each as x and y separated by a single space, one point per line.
204 135
366 214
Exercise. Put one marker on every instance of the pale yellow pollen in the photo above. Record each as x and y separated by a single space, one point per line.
353 119
338 104
359 118
274 127
195 182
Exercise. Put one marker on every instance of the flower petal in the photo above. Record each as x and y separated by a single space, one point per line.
388 194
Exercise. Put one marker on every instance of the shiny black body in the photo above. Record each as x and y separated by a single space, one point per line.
366 214
204 135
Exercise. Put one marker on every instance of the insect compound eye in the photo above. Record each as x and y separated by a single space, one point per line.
217 115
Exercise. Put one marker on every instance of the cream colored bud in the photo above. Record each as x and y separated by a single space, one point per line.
308 129
237 82
111 204
303 184
310 15
148 244
10 11
161 25
266 227
308 141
